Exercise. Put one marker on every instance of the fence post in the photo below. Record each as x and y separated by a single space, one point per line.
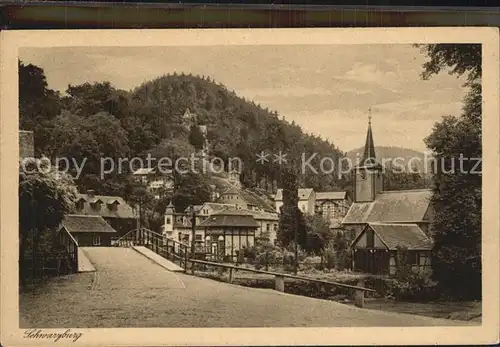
185 259
230 275
279 283
267 260
359 295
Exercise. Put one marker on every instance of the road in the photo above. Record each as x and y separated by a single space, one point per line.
129 290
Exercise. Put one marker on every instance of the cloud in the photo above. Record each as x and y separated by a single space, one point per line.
370 73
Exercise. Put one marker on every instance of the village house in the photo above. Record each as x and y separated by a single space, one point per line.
113 209
245 199
380 222
177 226
227 233
306 203
332 206
155 182
88 231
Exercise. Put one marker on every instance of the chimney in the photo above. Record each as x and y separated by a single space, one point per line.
90 193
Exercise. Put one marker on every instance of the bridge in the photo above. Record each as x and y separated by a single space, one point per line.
129 288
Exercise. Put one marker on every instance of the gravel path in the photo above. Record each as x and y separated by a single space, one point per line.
129 290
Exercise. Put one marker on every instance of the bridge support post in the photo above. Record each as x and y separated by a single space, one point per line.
279 283
359 295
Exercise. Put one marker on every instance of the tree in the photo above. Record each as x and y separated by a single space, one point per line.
38 104
318 233
456 260
45 196
292 228
196 138
192 189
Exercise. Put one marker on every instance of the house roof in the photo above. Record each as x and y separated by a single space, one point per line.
230 218
250 198
144 171
123 209
26 144
254 199
391 206
304 194
331 196
409 236
262 215
82 223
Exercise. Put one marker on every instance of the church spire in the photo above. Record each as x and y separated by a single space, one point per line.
369 154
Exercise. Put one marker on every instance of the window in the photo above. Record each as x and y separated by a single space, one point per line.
198 237
168 220
412 258
268 227
96 240
275 227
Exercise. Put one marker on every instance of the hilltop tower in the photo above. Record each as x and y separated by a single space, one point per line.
368 175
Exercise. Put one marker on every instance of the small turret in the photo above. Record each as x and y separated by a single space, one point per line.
168 227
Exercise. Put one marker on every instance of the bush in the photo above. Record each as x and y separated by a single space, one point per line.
415 286
329 258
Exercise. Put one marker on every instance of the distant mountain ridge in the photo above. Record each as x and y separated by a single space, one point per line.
393 154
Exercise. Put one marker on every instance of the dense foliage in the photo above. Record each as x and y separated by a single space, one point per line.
45 196
93 121
457 194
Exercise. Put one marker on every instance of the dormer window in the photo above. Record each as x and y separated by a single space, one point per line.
80 204
113 205
96 205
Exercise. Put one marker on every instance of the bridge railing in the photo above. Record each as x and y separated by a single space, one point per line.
279 279
168 248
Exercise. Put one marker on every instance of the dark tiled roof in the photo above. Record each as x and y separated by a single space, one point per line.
304 194
402 235
331 196
122 210
80 223
26 144
253 198
393 206
230 218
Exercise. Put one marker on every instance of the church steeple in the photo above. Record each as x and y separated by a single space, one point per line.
368 177
369 154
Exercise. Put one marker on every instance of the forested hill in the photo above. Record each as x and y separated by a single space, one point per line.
236 127
399 155
95 119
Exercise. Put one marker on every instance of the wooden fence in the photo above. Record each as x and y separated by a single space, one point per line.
279 279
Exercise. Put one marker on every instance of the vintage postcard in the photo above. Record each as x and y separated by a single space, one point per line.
250 187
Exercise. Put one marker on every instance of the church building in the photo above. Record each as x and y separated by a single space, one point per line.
380 222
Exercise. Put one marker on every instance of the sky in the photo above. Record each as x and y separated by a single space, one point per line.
326 89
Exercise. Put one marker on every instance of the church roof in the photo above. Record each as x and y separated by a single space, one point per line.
391 206
409 236
369 146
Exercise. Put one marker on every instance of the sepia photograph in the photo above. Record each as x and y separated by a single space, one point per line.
243 181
